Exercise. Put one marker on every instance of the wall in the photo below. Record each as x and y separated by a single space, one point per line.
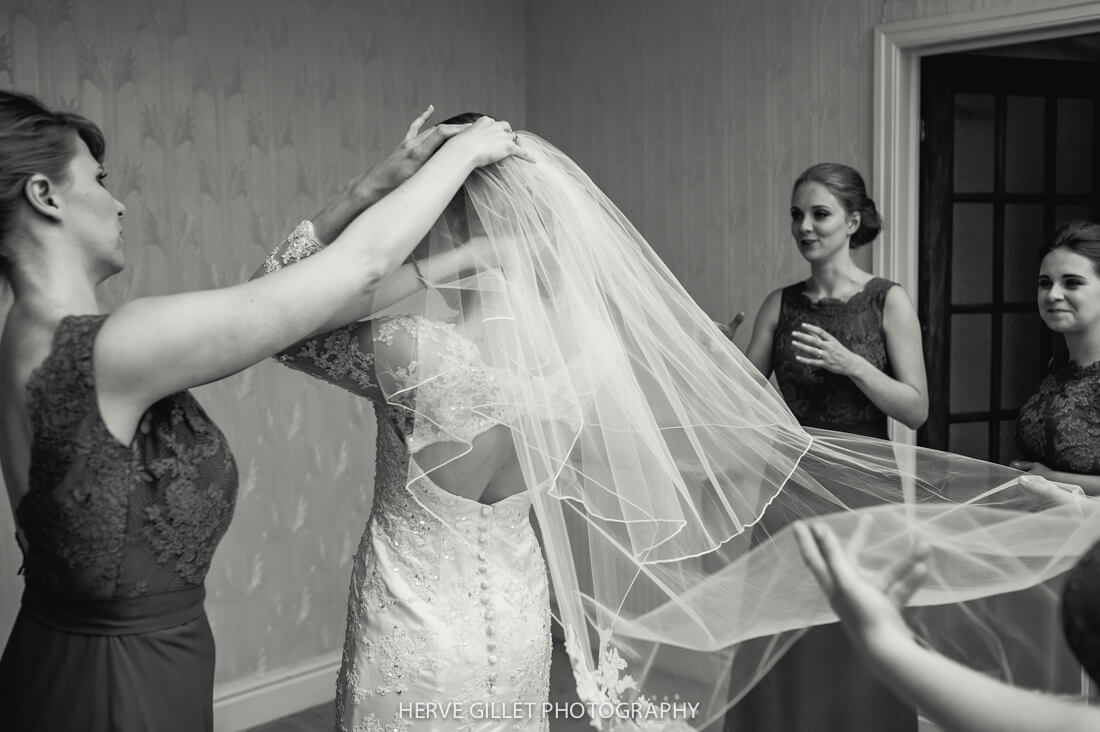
696 118
227 123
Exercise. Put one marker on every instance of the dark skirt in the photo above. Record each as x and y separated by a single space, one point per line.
821 685
115 666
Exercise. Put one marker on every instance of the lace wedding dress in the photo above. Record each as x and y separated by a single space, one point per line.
448 612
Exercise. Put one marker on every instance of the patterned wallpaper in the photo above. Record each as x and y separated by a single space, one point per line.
695 118
228 122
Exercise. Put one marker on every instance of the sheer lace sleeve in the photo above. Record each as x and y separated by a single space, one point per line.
337 356
342 357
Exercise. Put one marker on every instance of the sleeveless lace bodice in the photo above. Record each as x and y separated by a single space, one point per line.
105 520
449 599
1059 425
820 398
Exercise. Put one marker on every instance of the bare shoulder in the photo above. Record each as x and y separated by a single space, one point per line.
769 309
898 302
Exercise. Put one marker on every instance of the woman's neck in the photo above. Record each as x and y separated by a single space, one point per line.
1084 347
836 277
53 286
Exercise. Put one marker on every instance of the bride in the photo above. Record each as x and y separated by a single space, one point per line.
536 355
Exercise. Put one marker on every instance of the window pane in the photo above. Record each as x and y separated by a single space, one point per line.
1075 141
1020 367
970 439
1024 144
1067 213
1023 238
972 253
1009 450
974 143
970 353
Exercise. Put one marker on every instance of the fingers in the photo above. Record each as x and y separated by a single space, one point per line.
1048 490
859 537
900 579
813 330
430 141
414 128
811 555
843 573
903 591
1024 465
737 321
522 153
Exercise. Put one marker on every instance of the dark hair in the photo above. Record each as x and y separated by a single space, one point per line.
1080 237
457 207
846 184
35 139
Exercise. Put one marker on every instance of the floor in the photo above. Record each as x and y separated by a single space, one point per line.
562 690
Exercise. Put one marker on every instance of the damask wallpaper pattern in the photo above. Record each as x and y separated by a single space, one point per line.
697 117
230 121
227 123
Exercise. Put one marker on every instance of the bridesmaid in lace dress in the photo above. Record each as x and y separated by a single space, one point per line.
1059 426
845 347
121 486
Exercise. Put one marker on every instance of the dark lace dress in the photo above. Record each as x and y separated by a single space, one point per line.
112 635
820 398
1059 426
807 688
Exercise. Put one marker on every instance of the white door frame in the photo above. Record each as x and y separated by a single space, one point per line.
898 48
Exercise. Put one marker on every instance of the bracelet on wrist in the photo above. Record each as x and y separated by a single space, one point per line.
419 274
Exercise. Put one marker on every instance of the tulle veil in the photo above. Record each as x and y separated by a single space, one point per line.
665 472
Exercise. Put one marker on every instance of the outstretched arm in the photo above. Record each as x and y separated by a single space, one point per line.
954 697
155 346
310 237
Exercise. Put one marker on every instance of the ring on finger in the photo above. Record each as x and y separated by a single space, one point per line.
515 138
820 353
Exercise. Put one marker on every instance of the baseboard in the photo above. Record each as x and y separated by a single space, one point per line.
239 705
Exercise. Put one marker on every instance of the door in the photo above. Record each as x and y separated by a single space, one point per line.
1010 149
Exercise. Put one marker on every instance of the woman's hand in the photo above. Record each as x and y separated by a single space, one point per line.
868 605
1048 491
729 330
1034 467
488 141
414 149
816 347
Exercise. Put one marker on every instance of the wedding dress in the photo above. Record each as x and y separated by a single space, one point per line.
448 620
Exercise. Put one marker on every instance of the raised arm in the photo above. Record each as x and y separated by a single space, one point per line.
155 346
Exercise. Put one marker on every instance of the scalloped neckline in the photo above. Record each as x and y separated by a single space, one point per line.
836 301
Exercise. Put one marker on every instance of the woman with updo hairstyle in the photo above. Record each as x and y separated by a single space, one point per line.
845 347
121 486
